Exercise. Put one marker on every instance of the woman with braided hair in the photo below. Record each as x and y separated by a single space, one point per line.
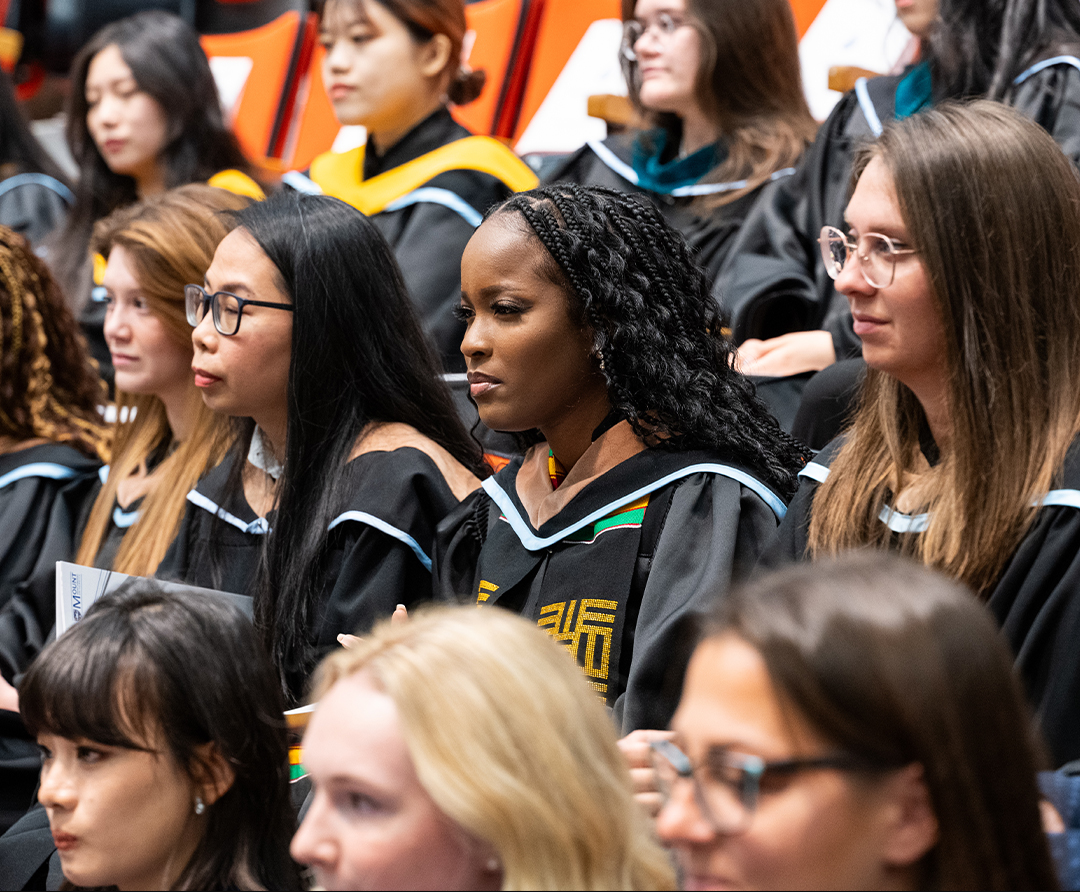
653 474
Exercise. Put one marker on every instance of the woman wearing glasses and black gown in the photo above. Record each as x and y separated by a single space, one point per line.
718 84
959 267
350 449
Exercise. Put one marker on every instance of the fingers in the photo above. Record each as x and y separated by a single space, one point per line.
9 697
400 616
347 640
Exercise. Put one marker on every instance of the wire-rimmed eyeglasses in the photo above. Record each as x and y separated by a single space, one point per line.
877 255
225 308
664 25
727 784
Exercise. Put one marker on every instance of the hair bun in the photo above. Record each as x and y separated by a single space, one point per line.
466 85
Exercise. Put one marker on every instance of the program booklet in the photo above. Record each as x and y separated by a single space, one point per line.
78 587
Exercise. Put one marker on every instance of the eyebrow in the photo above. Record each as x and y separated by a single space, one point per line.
230 287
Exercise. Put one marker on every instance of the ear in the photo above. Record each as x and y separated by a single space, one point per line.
434 55
911 827
212 773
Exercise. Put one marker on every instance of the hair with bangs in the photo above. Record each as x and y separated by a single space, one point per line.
993 208
186 669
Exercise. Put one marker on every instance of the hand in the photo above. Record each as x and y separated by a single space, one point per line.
9 697
399 617
789 354
638 754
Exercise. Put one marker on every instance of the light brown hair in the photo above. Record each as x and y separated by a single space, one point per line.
992 207
49 385
750 82
170 241
425 18
896 665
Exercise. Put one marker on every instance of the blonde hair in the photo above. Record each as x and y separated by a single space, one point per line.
170 241
993 208
512 745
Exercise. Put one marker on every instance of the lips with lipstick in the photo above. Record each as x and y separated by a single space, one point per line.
204 378
481 384
64 841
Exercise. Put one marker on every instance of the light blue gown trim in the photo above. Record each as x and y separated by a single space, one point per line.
867 106
258 527
45 469
1047 63
38 179
532 542
103 474
301 183
383 527
124 519
434 195
815 471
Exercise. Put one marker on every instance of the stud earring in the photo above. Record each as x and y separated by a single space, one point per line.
493 865
200 806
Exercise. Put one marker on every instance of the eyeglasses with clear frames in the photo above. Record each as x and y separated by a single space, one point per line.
225 308
727 784
663 26
877 255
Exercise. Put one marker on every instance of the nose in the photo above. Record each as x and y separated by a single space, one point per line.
648 44
680 821
475 343
56 789
314 842
851 282
204 337
117 326
107 110
338 59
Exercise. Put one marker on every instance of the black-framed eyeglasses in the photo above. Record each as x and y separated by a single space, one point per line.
877 255
225 308
727 784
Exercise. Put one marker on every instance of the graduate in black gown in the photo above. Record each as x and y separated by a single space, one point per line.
959 267
719 85
52 442
351 451
1023 53
395 68
653 475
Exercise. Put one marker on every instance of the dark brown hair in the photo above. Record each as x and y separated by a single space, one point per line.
750 82
147 667
993 208
425 19
49 386
895 665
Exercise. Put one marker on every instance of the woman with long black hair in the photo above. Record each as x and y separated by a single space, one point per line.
351 450
143 116
654 475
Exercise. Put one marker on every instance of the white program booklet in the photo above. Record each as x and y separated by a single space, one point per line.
78 587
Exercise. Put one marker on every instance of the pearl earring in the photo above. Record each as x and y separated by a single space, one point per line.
493 864
200 806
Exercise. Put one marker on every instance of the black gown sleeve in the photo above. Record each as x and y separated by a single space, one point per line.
458 541
713 533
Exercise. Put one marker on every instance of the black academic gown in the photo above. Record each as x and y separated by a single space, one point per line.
1036 601
617 583
609 164
429 233
378 551
774 282
33 204
43 491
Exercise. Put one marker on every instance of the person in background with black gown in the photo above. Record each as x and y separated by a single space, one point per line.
719 83
351 450
395 67
143 116
653 476
34 193
786 315
52 442
958 260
